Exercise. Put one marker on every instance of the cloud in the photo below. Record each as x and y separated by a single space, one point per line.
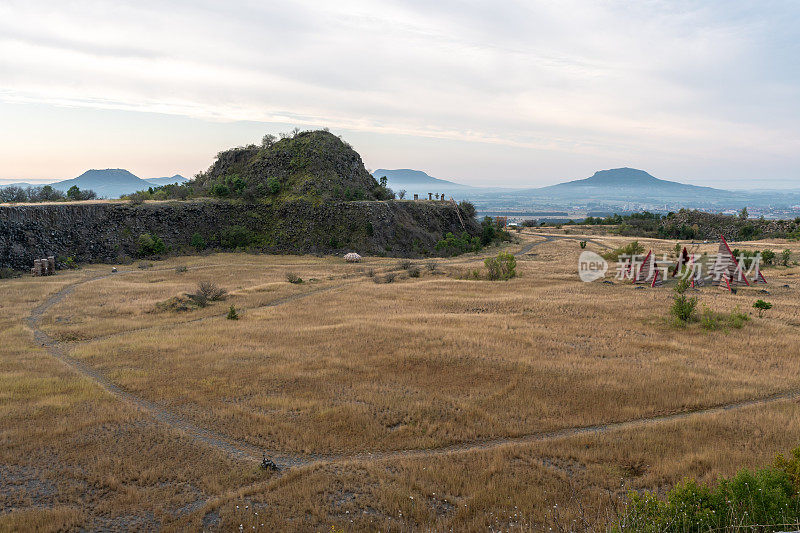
615 80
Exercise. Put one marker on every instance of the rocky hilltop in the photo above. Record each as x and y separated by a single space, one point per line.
315 165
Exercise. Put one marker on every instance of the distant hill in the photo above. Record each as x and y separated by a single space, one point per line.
633 185
626 178
107 183
177 178
408 178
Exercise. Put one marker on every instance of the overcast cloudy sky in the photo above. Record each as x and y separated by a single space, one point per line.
503 93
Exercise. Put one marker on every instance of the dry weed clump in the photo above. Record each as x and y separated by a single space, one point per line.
207 292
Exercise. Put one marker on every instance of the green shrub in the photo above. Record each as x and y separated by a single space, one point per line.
291 277
236 237
763 500
762 306
414 272
273 185
708 319
150 245
452 245
197 242
768 257
683 307
181 269
220 190
582 244
232 314
786 257
503 267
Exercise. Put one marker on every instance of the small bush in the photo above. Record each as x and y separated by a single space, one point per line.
181 269
431 266
198 242
737 319
708 319
70 263
291 277
414 272
389 277
232 314
683 307
404 265
452 245
582 244
144 265
150 245
370 273
138 197
207 292
786 257
503 267
762 306
236 237
8 273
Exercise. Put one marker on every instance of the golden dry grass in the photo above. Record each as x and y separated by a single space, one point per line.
341 365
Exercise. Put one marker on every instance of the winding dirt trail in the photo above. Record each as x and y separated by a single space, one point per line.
248 452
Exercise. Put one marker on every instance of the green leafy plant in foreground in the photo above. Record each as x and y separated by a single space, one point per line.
763 500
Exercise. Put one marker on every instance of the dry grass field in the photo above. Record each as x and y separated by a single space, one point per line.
429 403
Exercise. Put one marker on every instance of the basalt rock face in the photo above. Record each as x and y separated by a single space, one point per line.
109 232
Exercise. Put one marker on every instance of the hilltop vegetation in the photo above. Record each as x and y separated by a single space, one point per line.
308 165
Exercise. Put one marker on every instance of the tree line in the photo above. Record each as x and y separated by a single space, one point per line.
45 193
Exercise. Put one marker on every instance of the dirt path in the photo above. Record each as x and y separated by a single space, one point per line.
249 452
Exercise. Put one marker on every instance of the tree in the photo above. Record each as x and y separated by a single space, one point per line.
384 181
74 193
743 214
401 194
762 306
268 140
786 256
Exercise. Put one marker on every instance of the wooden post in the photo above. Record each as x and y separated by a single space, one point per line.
430 196
51 262
37 267
416 197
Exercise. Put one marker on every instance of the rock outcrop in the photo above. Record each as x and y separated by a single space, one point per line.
109 232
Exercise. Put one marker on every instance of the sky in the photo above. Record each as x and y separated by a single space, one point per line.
483 93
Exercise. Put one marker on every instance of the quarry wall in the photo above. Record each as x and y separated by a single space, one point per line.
109 232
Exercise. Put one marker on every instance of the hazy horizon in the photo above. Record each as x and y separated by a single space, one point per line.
706 93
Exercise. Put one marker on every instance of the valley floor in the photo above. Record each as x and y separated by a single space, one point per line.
429 402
